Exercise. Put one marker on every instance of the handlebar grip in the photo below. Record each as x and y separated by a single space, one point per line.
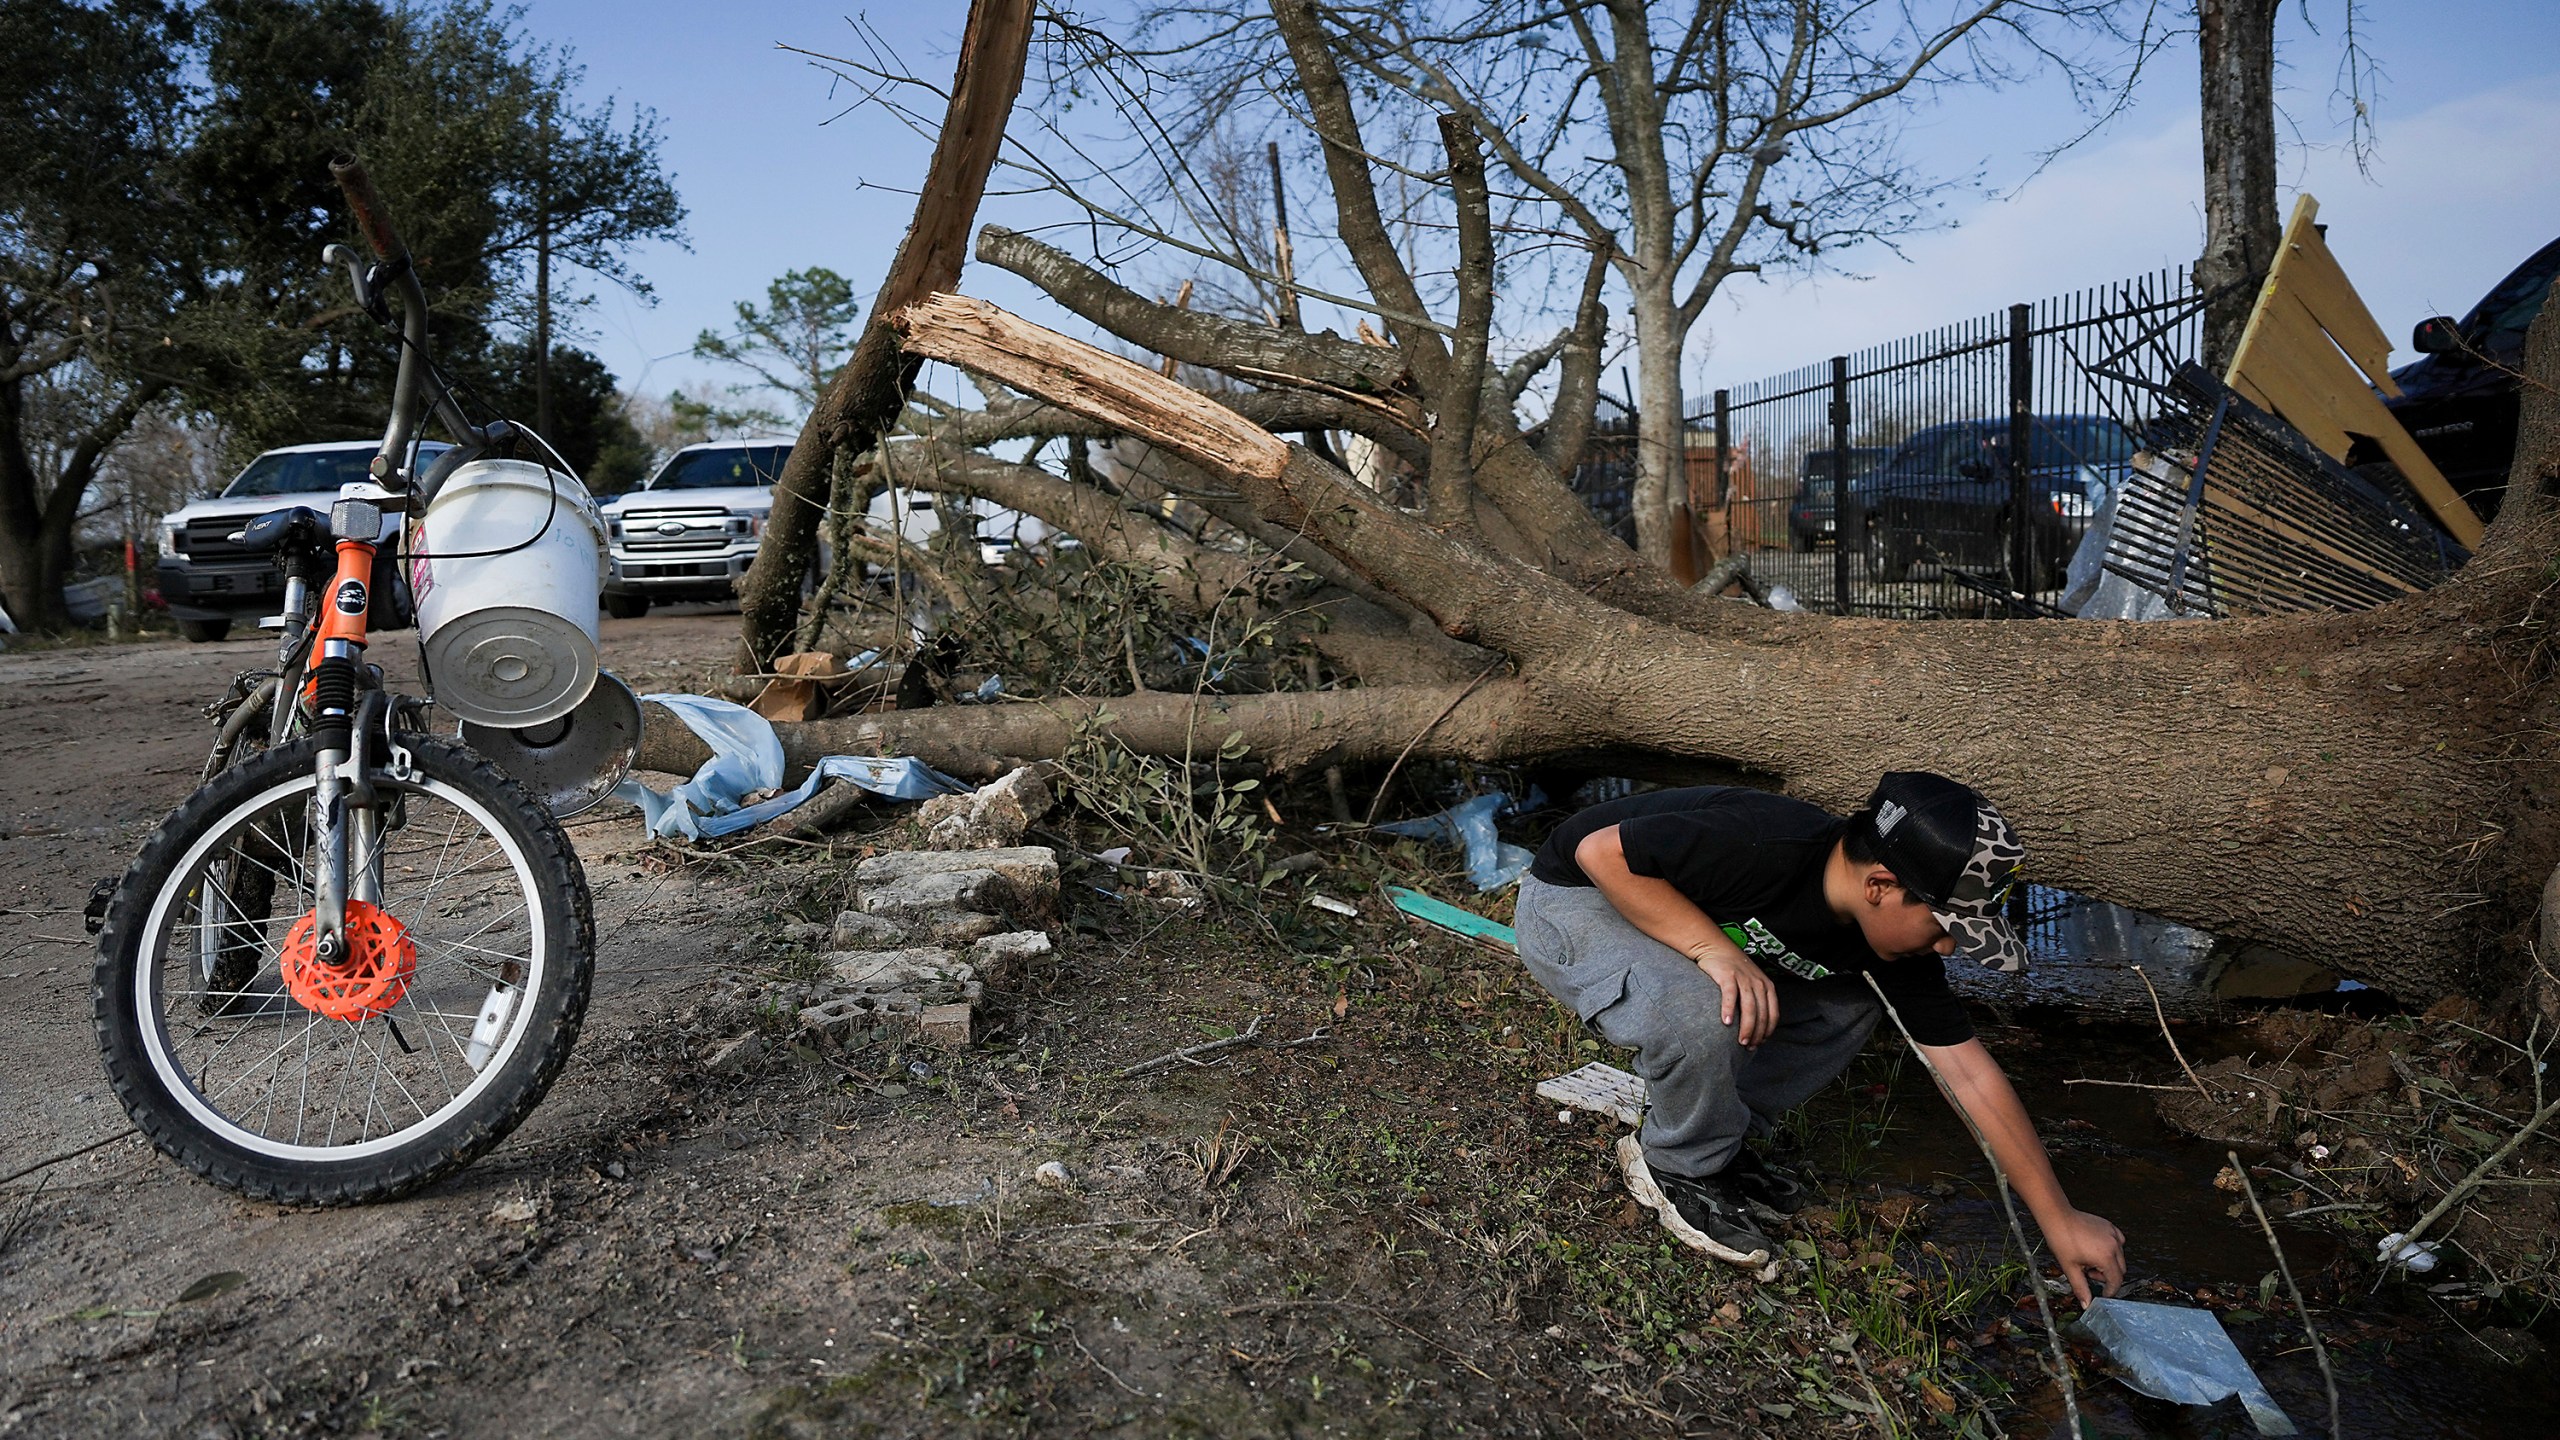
372 216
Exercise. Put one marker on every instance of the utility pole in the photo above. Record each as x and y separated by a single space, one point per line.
542 277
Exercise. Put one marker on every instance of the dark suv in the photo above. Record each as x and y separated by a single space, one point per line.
2460 398
1946 496
1809 520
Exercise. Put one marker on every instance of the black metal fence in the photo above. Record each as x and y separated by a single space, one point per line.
1952 472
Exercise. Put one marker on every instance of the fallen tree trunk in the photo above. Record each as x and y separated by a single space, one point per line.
2342 786
1288 730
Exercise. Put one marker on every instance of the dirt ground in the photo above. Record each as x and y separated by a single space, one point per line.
1363 1225
838 1244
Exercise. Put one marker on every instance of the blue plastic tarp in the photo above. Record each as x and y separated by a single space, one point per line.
1492 862
746 756
2170 1352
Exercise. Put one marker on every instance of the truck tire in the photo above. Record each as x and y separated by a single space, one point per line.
626 607
204 632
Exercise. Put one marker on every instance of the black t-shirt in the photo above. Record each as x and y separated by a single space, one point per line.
1753 862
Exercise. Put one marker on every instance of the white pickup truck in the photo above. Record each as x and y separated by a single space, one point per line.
208 582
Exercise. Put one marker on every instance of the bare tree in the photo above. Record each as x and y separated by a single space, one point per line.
1679 146
2236 50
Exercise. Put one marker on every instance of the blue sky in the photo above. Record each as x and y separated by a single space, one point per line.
2462 187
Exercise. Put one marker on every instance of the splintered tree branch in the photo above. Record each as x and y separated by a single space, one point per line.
1461 587
1195 337
1396 424
866 396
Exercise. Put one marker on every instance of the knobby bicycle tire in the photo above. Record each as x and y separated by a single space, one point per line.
164 1047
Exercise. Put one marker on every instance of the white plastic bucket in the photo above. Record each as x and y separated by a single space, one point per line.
506 603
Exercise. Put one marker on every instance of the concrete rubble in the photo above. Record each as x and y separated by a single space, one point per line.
930 930
993 816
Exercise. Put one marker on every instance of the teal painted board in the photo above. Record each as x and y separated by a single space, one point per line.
1449 917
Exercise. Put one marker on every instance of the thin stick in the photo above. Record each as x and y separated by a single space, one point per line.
20 1219
2163 1018
22 1174
2319 1351
2008 1207
1105 1369
2480 1172
2125 1084
1191 1052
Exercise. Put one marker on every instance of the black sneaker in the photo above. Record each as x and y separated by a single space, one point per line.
1766 1184
1704 1214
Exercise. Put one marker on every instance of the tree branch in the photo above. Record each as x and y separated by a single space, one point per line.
1355 197
1453 432
1194 337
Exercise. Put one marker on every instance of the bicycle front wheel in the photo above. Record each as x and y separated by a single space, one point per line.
275 1076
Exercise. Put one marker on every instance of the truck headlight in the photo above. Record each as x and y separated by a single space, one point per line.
755 526
172 536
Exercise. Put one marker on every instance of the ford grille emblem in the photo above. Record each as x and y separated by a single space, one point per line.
670 527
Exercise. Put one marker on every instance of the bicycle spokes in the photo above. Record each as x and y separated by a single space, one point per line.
284 1046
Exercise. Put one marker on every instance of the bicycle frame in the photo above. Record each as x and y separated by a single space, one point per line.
330 686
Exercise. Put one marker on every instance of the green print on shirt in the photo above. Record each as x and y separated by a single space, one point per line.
1756 941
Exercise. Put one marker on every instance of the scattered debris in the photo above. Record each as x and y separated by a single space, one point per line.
1490 933
1053 1176
733 1056
1492 862
993 816
518 1211
746 758
856 930
2170 1352
999 959
1191 1054
930 932
1174 890
2398 1249
1600 1089
1020 882
796 694
946 1024
1337 907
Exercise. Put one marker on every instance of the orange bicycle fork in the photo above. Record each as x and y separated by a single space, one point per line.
345 781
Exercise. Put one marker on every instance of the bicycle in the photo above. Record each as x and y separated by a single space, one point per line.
438 936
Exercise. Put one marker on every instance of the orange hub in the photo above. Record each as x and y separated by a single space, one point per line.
380 959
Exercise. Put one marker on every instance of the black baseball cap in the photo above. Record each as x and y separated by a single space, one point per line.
1953 849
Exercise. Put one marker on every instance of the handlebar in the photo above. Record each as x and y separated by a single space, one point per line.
373 217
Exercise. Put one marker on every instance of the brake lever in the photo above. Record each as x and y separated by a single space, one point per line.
367 298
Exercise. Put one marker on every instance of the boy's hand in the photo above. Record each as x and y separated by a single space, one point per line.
2087 1244
1748 993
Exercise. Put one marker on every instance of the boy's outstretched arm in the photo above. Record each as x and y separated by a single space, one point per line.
2085 1244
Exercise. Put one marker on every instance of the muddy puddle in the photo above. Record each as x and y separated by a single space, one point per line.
2412 1361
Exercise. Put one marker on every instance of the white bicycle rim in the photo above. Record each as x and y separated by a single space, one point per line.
152 964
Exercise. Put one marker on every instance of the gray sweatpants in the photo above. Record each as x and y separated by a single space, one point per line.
1708 1091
